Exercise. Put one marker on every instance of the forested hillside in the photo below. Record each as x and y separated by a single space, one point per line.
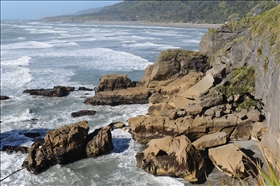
173 11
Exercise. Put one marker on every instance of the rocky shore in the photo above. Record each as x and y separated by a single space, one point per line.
201 105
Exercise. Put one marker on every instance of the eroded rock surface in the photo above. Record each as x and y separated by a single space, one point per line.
172 156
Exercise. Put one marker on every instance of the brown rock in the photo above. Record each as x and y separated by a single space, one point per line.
99 142
61 146
83 113
138 95
112 82
242 130
254 115
228 158
172 156
210 102
57 91
193 109
211 140
258 130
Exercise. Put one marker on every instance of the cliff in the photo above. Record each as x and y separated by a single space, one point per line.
253 42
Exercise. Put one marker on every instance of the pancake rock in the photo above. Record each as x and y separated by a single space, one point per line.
172 156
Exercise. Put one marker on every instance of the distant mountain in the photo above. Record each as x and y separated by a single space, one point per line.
89 11
175 11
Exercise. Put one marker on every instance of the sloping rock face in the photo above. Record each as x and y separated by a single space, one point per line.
61 146
99 142
172 156
228 158
254 42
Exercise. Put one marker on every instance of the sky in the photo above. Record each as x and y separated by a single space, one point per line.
33 10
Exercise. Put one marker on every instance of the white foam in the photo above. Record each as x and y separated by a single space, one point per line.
62 43
26 45
15 77
22 61
149 45
21 38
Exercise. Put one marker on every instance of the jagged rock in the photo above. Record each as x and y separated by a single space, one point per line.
258 130
211 140
57 91
85 89
32 134
4 97
172 156
61 146
11 149
83 113
114 82
99 142
229 159
138 95
254 115
116 125
242 114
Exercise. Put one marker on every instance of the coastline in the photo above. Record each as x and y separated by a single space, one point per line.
141 23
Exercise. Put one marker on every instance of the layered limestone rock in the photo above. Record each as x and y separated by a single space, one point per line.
61 146
172 156
254 42
66 145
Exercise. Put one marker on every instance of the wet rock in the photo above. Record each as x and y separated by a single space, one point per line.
172 156
211 140
116 125
57 91
229 159
84 89
83 113
99 142
4 97
32 134
11 149
61 146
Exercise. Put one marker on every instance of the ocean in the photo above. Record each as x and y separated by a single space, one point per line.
44 55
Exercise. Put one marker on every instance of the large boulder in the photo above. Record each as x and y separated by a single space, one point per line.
112 82
83 113
229 159
99 142
61 146
211 140
172 156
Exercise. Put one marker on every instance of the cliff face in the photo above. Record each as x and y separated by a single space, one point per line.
253 42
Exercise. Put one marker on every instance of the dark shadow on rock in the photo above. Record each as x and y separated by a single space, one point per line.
18 137
120 144
250 166
209 167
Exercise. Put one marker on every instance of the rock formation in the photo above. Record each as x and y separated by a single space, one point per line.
66 145
4 97
57 91
172 156
83 113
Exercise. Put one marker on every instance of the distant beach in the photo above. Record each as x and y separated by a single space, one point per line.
140 23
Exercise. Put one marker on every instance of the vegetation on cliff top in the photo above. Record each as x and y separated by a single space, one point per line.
183 11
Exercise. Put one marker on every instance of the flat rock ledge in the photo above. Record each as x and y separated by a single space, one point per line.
56 91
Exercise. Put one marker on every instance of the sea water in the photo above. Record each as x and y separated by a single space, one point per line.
43 55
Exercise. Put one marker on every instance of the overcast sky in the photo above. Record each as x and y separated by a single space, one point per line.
32 10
